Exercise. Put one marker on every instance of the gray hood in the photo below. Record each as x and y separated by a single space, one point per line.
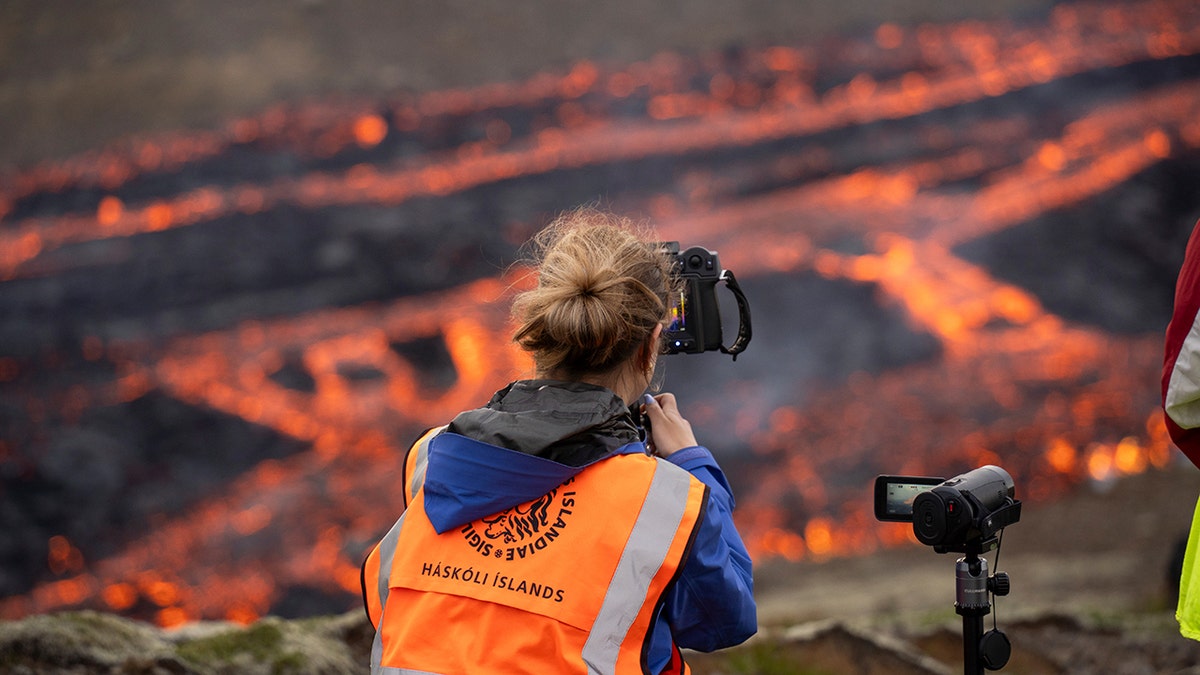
571 423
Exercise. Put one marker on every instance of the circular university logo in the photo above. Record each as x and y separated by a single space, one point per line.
523 530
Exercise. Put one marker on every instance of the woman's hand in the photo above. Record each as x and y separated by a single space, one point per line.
669 431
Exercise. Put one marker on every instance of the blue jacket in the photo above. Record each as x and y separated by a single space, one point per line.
534 435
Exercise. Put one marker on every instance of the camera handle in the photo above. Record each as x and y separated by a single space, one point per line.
744 330
981 650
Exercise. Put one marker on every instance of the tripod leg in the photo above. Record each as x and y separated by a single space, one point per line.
972 635
972 604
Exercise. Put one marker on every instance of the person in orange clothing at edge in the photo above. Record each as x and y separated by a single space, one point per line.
1181 405
541 533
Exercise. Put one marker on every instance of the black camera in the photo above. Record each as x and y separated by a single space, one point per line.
961 514
696 315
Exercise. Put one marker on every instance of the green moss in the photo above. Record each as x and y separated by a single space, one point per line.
289 663
79 638
263 642
259 641
767 658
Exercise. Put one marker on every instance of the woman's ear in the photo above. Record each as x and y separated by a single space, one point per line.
649 351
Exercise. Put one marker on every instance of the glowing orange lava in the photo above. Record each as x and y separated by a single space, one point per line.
1075 402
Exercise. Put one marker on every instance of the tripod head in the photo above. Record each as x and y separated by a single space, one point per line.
981 650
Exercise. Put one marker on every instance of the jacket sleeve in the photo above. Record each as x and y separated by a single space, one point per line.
711 605
1181 357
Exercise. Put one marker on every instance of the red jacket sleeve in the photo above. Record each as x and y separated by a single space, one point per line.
1181 390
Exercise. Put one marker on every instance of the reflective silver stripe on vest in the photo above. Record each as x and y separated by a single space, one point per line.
387 554
649 542
422 450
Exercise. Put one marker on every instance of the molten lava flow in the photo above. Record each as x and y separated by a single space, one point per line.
965 68
1013 384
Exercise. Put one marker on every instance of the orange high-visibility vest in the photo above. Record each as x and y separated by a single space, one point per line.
566 583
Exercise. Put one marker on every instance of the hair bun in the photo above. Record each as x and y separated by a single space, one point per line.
601 290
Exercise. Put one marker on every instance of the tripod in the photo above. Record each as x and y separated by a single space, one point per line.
980 650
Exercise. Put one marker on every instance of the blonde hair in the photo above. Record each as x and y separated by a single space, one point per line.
602 288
